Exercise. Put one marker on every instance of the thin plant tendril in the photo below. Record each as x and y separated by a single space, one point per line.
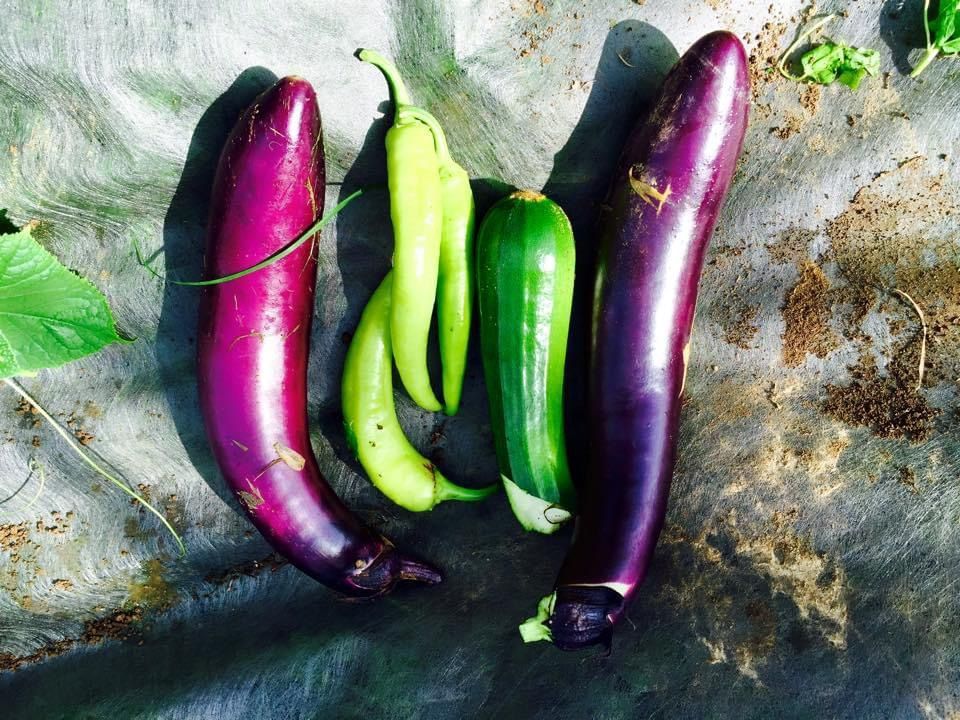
41 471
782 65
75 446
276 257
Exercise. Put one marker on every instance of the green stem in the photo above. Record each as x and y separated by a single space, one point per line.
782 65
75 446
928 57
276 257
439 139
926 24
446 490
401 98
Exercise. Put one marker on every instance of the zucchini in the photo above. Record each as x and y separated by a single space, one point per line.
525 269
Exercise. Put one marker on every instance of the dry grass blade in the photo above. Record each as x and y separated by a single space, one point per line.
923 335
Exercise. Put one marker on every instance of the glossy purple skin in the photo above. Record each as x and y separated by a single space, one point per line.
254 342
646 289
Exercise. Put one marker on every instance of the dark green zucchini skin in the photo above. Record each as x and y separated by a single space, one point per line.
525 271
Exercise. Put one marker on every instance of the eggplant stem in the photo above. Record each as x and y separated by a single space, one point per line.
401 98
86 457
923 334
416 571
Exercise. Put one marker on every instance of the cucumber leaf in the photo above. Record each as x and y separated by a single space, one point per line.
48 315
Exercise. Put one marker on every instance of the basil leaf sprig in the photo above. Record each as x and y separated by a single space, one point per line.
942 32
830 61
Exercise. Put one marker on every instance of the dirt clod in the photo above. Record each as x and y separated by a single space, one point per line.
888 404
117 625
807 317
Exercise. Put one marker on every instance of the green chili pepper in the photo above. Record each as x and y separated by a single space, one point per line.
416 210
456 279
370 418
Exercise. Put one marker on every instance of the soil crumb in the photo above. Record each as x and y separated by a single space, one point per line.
14 537
899 231
249 568
791 126
908 479
118 625
764 53
792 246
807 316
740 327
889 405
810 98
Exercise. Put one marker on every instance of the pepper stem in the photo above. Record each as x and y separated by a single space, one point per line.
445 490
439 138
401 98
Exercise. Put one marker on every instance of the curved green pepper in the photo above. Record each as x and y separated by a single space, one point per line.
416 211
370 418
456 280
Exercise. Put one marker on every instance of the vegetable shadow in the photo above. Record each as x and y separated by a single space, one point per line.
634 61
901 29
364 239
184 239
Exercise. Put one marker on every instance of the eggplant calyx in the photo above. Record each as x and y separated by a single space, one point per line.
389 567
532 512
535 629
583 616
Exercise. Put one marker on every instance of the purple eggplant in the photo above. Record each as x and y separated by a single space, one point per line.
663 205
254 343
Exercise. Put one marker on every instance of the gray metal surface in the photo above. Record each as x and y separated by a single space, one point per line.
809 567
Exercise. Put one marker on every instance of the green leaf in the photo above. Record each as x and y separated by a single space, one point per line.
945 24
863 58
48 315
851 78
941 31
952 47
822 63
831 61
